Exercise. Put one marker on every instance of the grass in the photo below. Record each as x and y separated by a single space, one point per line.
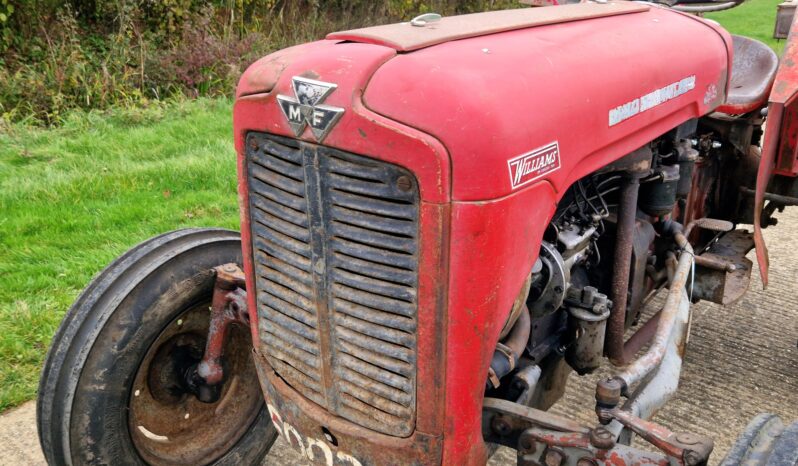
754 18
75 197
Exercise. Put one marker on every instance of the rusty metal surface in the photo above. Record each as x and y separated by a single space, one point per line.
784 15
687 448
641 337
318 436
727 275
519 335
335 239
779 144
647 399
228 307
624 242
753 70
777 198
642 366
780 152
168 425
545 438
404 37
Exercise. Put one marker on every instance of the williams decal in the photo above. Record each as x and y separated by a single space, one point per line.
532 165
306 108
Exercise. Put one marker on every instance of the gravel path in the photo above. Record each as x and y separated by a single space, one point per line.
742 360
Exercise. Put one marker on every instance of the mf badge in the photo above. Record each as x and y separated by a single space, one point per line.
306 109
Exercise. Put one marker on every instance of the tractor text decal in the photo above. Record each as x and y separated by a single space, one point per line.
315 450
651 100
532 165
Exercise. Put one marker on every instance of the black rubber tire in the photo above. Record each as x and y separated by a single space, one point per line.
85 384
765 442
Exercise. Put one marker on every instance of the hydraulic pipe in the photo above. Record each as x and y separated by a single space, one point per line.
624 238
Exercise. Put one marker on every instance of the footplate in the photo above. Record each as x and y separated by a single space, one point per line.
723 273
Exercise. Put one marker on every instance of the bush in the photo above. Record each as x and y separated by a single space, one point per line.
56 56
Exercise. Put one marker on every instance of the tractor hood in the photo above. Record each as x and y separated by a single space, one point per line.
515 97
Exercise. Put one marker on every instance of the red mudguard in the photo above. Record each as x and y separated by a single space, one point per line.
780 148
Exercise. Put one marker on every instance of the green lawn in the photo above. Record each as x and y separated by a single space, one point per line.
73 198
754 18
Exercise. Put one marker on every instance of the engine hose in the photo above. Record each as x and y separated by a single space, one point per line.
507 352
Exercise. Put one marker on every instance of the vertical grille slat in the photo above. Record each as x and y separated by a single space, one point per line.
335 249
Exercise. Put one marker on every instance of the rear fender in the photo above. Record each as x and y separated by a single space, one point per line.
780 148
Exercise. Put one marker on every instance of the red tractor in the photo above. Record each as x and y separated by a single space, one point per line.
440 221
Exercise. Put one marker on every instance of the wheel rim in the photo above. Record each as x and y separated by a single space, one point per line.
169 425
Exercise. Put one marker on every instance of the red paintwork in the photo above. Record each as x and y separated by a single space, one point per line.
363 132
779 148
454 115
555 82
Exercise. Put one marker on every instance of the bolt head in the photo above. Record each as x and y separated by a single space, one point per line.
404 183
554 458
602 438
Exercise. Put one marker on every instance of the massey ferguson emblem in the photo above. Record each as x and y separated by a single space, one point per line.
532 165
306 109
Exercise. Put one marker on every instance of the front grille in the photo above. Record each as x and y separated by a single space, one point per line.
335 241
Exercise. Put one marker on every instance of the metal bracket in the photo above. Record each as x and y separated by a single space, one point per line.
228 306
542 438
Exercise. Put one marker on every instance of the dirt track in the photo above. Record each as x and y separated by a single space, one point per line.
742 360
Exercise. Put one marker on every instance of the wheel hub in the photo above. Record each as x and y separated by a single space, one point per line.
168 422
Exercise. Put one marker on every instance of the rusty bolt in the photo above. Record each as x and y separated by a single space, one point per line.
253 144
602 438
554 457
404 183
500 426
608 393
586 461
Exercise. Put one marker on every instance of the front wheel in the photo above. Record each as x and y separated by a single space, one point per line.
113 386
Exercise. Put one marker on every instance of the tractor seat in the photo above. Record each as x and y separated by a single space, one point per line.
752 75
